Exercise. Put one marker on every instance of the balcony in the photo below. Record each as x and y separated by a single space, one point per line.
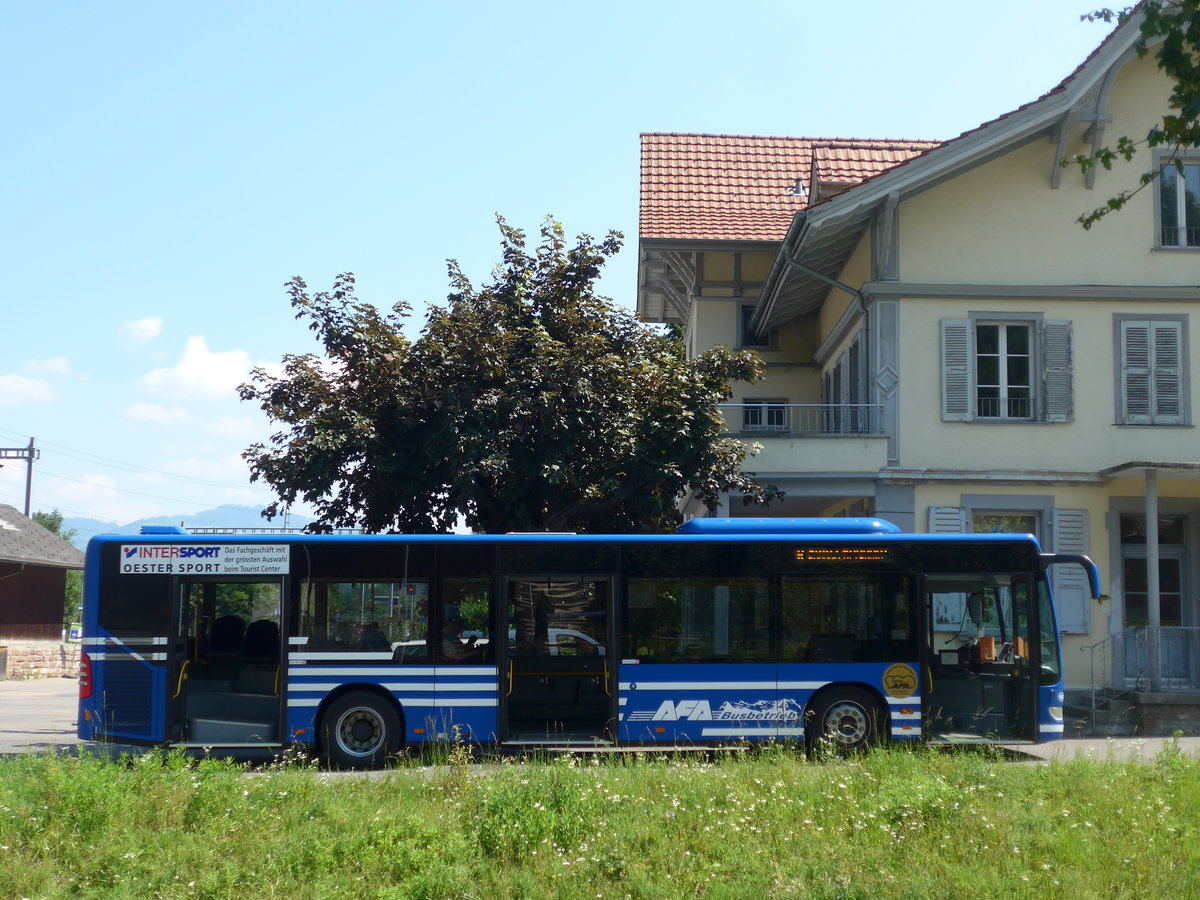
802 419
808 438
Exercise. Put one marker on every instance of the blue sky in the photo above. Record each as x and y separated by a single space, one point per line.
169 166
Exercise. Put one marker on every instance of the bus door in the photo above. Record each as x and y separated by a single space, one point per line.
227 683
556 680
980 681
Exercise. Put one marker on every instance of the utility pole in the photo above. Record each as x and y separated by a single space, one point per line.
29 454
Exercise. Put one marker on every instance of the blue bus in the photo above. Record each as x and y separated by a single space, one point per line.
730 630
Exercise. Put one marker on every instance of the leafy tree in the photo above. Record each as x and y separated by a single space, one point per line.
1172 29
531 403
73 596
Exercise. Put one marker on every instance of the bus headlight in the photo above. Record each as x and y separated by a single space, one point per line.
1056 713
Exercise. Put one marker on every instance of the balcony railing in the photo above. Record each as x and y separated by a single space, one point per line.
1141 658
802 419
1176 236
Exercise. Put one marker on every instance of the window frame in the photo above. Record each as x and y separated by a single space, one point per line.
1003 356
765 408
1051 368
1164 161
746 339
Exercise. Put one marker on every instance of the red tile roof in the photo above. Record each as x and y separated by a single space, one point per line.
740 187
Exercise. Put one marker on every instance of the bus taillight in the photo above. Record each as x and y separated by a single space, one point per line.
85 675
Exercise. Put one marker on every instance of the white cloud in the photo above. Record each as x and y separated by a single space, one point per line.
228 468
158 415
56 365
142 331
17 389
200 372
242 428
101 497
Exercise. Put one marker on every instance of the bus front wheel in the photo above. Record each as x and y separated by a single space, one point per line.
849 719
360 731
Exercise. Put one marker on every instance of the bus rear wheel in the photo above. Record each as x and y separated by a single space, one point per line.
360 731
849 719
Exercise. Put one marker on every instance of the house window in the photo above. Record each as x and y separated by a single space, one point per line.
747 338
1172 558
1152 371
764 415
1179 205
1004 368
1004 523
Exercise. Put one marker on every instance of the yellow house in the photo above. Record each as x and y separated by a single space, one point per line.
948 349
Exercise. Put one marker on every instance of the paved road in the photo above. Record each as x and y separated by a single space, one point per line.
38 714
1119 748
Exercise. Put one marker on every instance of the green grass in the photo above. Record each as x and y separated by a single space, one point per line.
894 824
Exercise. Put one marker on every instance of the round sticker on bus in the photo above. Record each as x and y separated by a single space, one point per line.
900 681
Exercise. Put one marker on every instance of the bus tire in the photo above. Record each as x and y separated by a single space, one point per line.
850 719
360 730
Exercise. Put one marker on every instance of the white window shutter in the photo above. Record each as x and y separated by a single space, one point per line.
1057 371
947 520
956 370
1135 372
1152 372
1168 367
1072 595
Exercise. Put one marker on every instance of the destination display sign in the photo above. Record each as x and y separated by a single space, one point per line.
838 553
204 559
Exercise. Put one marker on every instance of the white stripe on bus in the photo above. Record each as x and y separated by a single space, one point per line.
118 642
699 685
295 703
801 685
394 671
427 687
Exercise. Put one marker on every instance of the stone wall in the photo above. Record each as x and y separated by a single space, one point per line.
1168 714
39 659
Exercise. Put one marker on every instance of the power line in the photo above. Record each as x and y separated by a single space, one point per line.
127 491
84 456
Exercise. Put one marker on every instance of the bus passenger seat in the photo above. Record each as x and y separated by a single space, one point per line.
227 633
262 641
259 672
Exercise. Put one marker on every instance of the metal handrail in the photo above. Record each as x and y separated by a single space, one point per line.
822 419
1144 673
1111 639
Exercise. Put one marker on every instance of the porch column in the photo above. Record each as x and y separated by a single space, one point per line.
1153 609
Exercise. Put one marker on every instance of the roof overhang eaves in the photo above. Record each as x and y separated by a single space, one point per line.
43 563
793 292
653 307
710 244
1180 469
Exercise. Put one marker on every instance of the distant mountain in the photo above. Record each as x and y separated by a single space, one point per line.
221 517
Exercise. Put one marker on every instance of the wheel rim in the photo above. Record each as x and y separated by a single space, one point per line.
847 723
360 731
